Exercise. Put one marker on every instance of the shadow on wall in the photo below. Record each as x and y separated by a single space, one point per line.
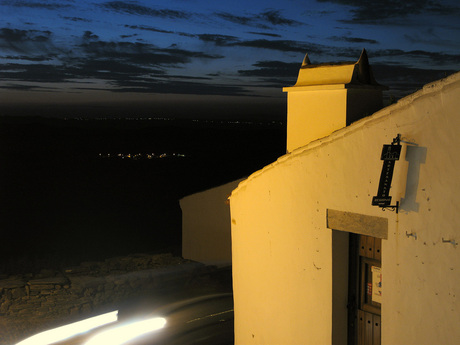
415 155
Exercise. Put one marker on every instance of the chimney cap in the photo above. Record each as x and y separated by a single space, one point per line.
347 73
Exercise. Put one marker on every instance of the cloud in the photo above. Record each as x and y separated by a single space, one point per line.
272 69
20 87
141 53
133 8
236 19
272 17
123 66
77 19
15 35
404 80
278 45
264 34
119 77
37 58
435 59
219 40
273 74
149 28
128 36
353 40
109 70
48 5
281 45
370 11
162 31
89 36
428 36
178 87
33 42
35 73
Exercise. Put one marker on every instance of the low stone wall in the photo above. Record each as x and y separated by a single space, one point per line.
34 303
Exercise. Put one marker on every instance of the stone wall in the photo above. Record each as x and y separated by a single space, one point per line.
33 303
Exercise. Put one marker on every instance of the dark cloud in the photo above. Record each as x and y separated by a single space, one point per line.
148 28
353 40
281 45
435 59
48 5
77 19
273 74
370 11
179 87
109 70
272 17
121 77
15 35
172 85
128 36
88 36
26 42
35 73
124 65
19 87
186 77
190 54
142 53
429 37
236 19
264 34
131 7
220 40
38 58
404 80
272 69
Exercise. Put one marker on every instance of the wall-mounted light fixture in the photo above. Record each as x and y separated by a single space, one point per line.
390 154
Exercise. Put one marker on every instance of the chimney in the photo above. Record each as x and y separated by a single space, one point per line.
328 97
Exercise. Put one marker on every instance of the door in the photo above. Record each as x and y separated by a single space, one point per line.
365 290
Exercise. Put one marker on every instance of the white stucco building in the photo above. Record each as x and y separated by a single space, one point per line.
206 230
307 241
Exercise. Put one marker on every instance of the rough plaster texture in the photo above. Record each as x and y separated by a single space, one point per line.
282 248
206 225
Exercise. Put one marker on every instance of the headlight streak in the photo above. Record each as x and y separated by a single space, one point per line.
210 315
122 334
71 330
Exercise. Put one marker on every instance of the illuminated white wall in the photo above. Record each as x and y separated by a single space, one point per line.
206 225
282 248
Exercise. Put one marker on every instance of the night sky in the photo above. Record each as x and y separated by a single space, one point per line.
203 54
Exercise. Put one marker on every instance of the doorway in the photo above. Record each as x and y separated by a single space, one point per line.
357 311
364 290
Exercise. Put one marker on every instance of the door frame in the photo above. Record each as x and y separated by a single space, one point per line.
358 224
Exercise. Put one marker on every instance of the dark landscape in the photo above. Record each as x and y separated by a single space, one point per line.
78 189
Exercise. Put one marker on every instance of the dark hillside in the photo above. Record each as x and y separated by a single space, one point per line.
75 190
